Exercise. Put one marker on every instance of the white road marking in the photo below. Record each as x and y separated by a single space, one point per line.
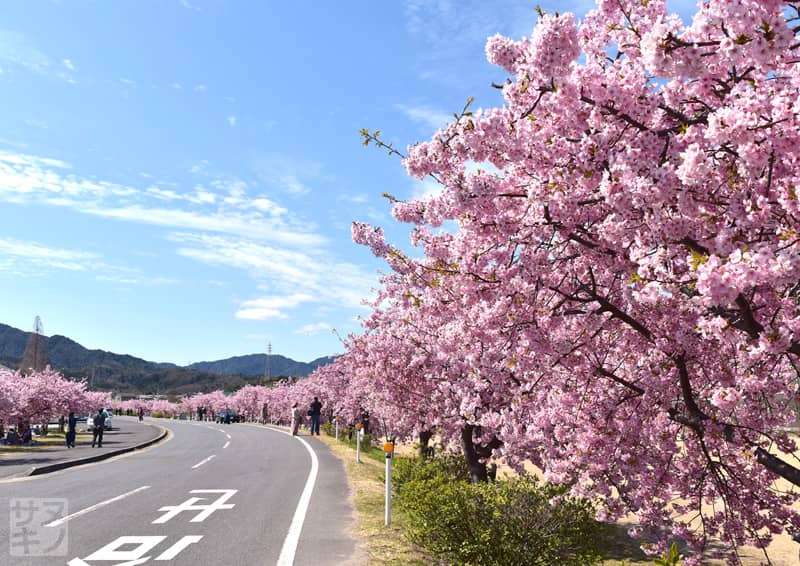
63 520
229 436
226 444
176 548
112 552
293 536
205 510
198 464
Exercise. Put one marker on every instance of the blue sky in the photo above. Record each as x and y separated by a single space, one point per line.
178 177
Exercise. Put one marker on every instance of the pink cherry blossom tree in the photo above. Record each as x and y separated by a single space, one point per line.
623 278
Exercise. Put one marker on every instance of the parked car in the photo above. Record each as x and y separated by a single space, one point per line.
90 420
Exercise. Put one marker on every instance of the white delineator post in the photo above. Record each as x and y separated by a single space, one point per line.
358 442
389 449
336 424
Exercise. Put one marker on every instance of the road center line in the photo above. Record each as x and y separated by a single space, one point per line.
63 520
198 464
229 436
293 536
226 444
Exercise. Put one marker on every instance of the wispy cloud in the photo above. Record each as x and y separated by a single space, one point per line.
189 6
16 49
232 121
200 88
426 115
266 308
224 207
313 329
35 259
308 271
42 256
290 174
68 64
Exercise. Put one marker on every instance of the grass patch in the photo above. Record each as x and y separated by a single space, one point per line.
53 439
380 544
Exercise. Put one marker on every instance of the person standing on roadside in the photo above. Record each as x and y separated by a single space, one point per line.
98 424
296 417
141 414
314 411
72 424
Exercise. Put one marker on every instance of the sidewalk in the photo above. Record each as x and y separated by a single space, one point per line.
128 434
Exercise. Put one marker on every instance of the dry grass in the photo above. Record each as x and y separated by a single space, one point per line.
378 543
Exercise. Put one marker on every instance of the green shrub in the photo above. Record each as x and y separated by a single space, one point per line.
510 522
448 464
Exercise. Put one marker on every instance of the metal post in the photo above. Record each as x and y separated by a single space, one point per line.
358 445
387 518
336 424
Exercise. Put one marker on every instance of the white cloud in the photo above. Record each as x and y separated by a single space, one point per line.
200 88
128 82
232 121
426 115
425 189
266 308
313 329
42 256
33 259
287 173
307 271
35 180
176 85
68 64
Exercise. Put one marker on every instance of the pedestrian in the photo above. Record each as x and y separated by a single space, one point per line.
72 424
296 418
314 411
98 424
141 414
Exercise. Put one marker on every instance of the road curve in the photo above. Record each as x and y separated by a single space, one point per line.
214 494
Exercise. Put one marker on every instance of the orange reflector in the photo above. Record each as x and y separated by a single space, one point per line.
388 447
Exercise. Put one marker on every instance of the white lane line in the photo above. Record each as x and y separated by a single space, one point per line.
198 464
293 536
229 436
63 520
226 444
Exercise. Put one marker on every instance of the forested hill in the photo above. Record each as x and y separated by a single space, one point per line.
256 364
129 374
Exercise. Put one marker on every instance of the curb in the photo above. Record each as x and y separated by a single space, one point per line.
70 463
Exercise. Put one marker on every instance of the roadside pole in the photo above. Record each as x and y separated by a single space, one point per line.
358 442
388 448
336 424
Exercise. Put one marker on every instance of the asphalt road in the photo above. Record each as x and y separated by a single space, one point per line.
213 494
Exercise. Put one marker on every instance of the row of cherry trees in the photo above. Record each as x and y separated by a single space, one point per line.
611 270
609 276
38 396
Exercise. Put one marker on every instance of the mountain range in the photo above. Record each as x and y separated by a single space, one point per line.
127 374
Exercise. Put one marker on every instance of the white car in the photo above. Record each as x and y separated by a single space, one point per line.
90 420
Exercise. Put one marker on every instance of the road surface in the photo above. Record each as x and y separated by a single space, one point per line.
213 494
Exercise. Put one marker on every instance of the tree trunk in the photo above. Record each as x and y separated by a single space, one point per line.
424 438
477 469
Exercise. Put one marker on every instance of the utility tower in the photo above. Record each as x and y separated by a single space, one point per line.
268 363
34 358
